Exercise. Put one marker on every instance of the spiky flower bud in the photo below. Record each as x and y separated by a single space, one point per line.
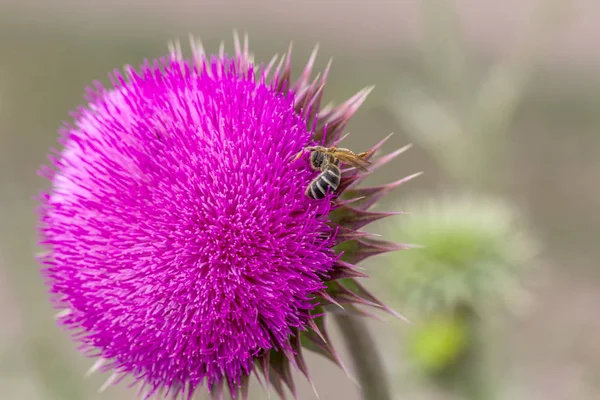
182 248
473 253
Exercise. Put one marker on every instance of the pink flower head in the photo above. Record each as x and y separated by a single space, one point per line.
182 249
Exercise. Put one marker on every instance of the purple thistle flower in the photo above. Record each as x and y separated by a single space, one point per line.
182 249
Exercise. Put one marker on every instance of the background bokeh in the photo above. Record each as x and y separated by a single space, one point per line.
534 63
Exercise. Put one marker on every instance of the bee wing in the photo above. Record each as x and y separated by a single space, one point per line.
353 160
338 151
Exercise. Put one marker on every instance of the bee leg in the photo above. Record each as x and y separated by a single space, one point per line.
298 155
365 154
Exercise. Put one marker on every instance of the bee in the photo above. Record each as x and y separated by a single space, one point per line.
327 160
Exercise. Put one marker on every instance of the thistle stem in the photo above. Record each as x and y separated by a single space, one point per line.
365 357
472 380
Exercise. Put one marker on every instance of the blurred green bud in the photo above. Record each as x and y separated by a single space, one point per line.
435 345
473 250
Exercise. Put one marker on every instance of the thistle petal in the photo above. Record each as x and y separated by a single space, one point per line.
277 384
337 118
300 362
354 218
216 391
358 250
304 77
326 299
343 270
379 145
282 76
280 365
370 195
349 179
344 234
317 340
343 295
244 388
264 363
359 290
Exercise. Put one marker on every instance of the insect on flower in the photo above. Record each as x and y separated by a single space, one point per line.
327 160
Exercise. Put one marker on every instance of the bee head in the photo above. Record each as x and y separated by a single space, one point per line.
317 159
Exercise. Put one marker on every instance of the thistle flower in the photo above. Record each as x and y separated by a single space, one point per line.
182 249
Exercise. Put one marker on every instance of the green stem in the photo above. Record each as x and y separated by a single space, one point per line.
472 379
365 357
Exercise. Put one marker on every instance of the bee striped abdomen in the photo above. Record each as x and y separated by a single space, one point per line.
327 181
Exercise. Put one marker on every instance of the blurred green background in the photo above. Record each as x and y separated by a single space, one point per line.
499 98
